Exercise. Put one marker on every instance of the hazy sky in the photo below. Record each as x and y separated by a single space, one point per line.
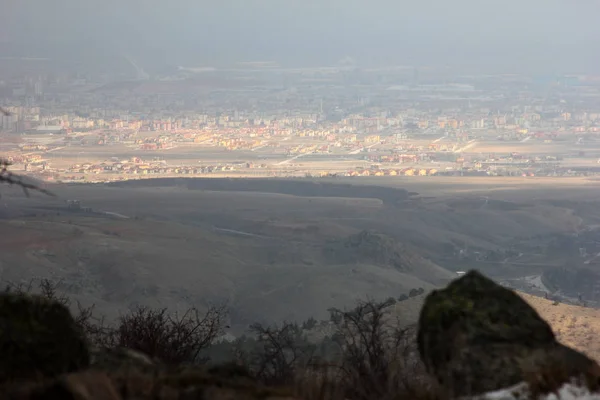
548 35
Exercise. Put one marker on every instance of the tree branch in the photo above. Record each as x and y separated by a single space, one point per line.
13 179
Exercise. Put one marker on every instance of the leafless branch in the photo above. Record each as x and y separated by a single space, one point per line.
173 339
13 179
84 318
283 351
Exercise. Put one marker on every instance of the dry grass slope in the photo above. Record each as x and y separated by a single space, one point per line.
575 326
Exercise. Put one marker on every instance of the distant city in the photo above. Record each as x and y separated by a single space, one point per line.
262 120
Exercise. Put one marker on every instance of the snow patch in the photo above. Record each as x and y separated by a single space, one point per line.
569 391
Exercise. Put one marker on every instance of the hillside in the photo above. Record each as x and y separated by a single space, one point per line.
575 326
170 255
115 264
270 256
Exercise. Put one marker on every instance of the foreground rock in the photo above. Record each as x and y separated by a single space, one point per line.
38 338
476 336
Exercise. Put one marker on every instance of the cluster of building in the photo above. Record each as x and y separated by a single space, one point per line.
361 116
136 166
372 121
376 171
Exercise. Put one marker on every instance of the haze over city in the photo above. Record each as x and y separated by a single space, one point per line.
500 36
331 199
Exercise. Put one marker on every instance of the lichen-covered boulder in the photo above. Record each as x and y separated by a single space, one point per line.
38 338
476 336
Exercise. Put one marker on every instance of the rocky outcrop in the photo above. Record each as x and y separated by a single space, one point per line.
476 336
38 338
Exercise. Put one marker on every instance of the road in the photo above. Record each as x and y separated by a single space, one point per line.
254 235
293 158
471 144
486 201
55 149
591 259
361 149
116 214
260 147
242 233
505 262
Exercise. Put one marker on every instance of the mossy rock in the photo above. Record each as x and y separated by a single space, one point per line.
38 338
474 333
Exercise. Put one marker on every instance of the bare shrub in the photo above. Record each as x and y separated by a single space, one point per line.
91 327
367 357
378 359
173 339
280 353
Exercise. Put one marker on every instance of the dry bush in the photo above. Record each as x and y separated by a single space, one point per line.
368 357
173 339
281 352
378 359
91 327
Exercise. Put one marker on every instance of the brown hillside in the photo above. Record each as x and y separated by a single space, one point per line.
575 326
